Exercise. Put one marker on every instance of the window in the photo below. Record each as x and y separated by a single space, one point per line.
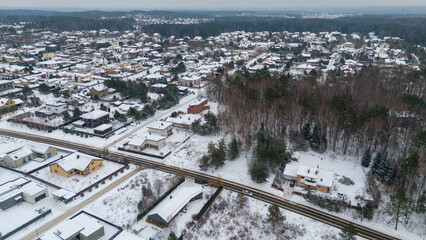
318 186
92 163
93 168
56 171
100 164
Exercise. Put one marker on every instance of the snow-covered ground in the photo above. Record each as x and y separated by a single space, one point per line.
119 206
24 211
249 222
77 182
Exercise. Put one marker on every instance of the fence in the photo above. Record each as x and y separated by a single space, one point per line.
26 224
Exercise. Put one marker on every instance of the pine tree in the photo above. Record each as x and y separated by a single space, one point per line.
348 232
204 163
172 236
323 143
314 139
258 172
234 149
274 215
376 163
306 131
397 205
366 159
241 200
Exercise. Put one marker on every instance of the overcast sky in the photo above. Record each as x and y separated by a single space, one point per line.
203 4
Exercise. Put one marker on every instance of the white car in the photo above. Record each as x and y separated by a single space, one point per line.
247 192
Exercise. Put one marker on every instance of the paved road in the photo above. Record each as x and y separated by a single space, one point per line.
32 235
166 113
310 212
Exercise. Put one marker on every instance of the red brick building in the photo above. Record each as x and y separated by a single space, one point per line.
198 106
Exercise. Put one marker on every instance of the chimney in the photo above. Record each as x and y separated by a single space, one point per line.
317 166
180 117
78 156
189 118
309 170
161 124
316 172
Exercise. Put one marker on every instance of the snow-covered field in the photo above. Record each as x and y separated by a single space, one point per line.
249 222
77 182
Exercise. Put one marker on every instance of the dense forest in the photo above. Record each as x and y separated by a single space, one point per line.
377 112
412 29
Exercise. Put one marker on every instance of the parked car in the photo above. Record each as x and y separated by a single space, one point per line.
292 183
247 192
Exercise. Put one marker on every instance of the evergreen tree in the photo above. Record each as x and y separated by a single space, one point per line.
67 116
323 143
397 205
234 149
315 139
76 113
366 159
274 215
172 236
204 162
348 232
377 162
218 155
241 201
258 172
306 131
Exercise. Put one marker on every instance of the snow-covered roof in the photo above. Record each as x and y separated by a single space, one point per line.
90 224
160 125
19 153
103 127
75 160
187 119
176 200
94 114
291 170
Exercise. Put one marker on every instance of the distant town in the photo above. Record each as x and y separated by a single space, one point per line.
129 134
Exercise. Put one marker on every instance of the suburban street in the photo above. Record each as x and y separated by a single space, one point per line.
307 211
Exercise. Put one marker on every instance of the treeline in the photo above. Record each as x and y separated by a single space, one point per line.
377 110
412 30
65 23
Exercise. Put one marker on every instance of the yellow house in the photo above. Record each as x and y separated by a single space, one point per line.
76 163
7 104
137 67
48 55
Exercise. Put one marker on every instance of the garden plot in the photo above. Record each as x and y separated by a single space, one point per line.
76 183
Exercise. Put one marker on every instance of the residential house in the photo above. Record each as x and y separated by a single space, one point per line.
164 129
198 106
95 118
56 108
310 177
6 85
19 190
147 140
99 91
76 163
7 105
22 155
184 121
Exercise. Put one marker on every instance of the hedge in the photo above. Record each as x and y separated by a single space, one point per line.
209 202
146 211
